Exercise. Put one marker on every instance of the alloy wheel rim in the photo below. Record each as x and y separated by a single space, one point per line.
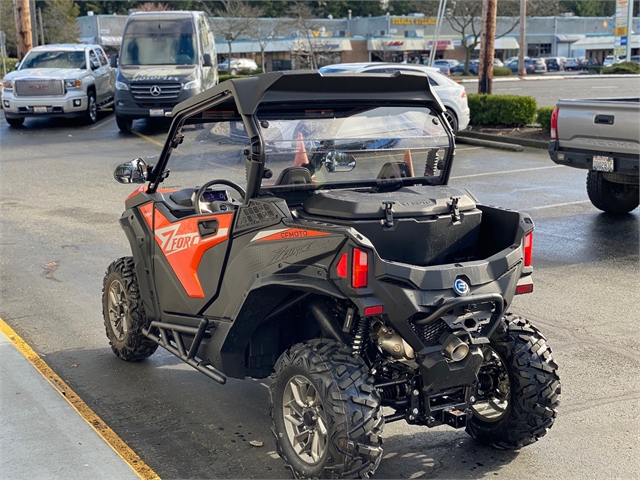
118 310
449 116
494 388
304 421
93 109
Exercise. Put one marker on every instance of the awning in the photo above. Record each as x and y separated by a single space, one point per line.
110 40
443 44
286 45
569 38
504 43
396 44
603 42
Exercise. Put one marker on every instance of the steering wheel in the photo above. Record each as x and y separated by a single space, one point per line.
204 187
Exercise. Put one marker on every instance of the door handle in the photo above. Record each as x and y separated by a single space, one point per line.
208 227
604 119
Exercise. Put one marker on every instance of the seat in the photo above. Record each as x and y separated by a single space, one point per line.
294 176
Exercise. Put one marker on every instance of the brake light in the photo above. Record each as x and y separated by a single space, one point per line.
359 268
341 268
463 94
371 311
527 288
554 124
528 249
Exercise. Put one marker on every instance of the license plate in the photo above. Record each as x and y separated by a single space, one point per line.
39 109
156 112
602 164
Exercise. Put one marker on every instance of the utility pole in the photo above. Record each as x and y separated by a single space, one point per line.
485 67
523 38
23 27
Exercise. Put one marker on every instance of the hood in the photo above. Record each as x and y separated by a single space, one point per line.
159 74
45 73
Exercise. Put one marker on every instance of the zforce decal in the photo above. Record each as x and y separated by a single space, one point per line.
182 245
286 234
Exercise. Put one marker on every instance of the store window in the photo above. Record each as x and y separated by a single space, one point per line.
539 49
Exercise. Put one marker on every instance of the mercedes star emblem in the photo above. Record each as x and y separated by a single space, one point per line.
155 90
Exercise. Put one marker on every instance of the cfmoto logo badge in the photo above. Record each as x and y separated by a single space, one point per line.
155 90
461 287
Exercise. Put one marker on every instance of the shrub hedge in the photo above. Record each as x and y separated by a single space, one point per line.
507 110
222 78
501 71
623 68
544 117
11 65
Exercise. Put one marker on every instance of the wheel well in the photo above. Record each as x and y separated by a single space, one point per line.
91 88
293 322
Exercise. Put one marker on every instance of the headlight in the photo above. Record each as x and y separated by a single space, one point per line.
7 85
192 85
121 85
75 83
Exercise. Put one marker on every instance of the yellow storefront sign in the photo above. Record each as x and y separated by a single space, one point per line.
413 21
621 31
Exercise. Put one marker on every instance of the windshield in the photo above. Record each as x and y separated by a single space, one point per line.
54 59
346 147
159 42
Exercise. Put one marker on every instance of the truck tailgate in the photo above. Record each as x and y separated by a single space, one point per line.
603 125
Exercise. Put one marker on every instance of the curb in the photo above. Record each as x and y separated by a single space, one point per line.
531 77
486 137
488 143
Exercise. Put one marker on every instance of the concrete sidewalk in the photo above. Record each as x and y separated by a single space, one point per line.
41 434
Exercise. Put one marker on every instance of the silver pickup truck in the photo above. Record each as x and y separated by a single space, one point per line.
73 80
603 137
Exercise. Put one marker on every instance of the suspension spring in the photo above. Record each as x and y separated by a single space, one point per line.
431 166
484 382
361 337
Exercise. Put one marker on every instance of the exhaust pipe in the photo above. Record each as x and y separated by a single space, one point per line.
454 348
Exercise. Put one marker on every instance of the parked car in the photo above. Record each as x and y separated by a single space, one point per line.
555 63
498 63
238 66
71 80
635 58
443 65
572 64
590 62
452 94
529 65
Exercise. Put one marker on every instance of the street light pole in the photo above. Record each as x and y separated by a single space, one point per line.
434 43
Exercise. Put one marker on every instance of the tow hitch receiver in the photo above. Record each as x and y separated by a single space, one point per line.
454 418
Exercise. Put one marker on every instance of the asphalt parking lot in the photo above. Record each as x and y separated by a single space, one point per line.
59 231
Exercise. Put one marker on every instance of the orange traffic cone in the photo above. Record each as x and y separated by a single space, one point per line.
301 152
408 161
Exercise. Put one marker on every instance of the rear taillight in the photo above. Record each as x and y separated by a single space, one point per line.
359 268
463 94
528 249
554 124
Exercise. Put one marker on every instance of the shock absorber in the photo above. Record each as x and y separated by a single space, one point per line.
361 336
431 166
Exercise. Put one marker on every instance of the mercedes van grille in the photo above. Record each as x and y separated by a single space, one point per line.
155 91
39 88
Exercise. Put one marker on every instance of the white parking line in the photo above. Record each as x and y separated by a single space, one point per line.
507 171
104 122
605 86
557 205
464 149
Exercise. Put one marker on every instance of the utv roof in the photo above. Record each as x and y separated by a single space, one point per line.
281 89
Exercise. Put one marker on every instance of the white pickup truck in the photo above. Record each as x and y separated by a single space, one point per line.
603 137
73 80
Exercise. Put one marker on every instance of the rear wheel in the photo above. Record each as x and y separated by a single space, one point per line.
233 71
518 388
326 412
611 197
452 119
15 121
123 313
124 124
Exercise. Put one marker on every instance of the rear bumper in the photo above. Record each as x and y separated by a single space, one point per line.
72 104
623 164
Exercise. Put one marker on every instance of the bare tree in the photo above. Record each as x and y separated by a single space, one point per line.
265 35
151 7
239 19
303 19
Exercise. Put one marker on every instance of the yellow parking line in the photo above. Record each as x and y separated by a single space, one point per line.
148 139
113 440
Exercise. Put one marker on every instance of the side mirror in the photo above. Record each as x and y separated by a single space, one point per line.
113 60
17 67
95 65
134 171
339 162
206 60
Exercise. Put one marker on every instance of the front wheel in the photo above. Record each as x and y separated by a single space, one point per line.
518 388
452 119
91 115
611 197
123 312
124 124
15 121
325 412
